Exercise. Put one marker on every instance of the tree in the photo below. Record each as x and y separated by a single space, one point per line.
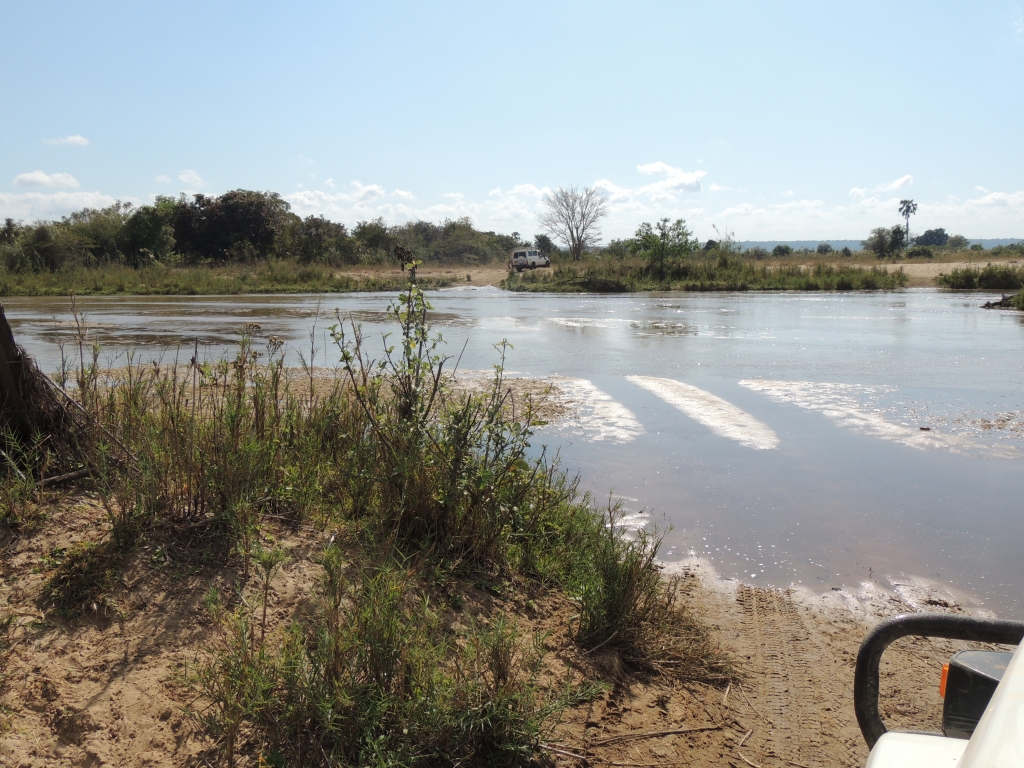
545 244
885 241
664 239
781 251
149 233
319 240
240 224
373 234
572 216
907 209
958 243
933 237
824 248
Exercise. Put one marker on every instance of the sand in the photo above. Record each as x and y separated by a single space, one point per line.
103 688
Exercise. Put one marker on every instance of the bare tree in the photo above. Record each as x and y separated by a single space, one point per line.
572 216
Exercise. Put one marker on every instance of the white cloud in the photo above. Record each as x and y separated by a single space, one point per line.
191 178
981 189
330 183
71 141
41 179
991 214
900 183
788 193
401 193
675 180
719 188
163 179
30 206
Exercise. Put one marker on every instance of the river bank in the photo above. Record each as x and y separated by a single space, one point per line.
108 686
290 277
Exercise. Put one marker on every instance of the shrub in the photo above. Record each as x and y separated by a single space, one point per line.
780 251
991 277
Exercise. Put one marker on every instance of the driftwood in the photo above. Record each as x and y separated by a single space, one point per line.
35 414
1003 303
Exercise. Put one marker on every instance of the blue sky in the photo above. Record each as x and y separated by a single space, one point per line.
772 121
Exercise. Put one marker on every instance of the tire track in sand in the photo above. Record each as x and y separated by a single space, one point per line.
791 691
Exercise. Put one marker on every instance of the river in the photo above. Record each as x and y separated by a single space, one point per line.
823 440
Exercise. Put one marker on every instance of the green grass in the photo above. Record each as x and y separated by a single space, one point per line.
725 273
989 277
259 277
426 490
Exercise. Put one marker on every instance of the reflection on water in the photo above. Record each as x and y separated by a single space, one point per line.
674 389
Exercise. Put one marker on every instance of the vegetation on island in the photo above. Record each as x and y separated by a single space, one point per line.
425 494
990 277
666 257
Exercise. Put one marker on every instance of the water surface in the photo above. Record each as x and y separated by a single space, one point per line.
834 484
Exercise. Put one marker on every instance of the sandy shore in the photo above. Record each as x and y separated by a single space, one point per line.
104 688
920 274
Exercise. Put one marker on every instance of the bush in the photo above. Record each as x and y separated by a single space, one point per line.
886 242
991 277
824 249
920 252
933 237
779 251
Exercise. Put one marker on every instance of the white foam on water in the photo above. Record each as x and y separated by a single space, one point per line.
594 415
590 322
842 404
720 416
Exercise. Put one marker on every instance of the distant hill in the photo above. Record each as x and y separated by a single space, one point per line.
854 245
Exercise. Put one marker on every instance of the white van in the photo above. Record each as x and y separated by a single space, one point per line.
528 258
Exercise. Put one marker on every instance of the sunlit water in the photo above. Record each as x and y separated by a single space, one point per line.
778 434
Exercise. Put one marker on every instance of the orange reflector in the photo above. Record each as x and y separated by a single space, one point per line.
942 682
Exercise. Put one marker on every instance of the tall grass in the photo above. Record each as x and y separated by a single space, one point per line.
428 485
727 272
990 277
276 276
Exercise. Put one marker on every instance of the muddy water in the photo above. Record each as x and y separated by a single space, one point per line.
780 435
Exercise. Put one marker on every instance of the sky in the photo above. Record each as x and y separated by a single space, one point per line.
796 120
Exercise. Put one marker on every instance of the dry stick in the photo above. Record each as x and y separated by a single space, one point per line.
726 697
606 640
747 736
752 765
95 422
565 752
752 706
652 735
77 474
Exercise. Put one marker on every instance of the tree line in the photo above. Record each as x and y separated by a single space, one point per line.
239 226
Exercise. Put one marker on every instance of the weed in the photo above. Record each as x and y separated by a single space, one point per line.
83 576
624 585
